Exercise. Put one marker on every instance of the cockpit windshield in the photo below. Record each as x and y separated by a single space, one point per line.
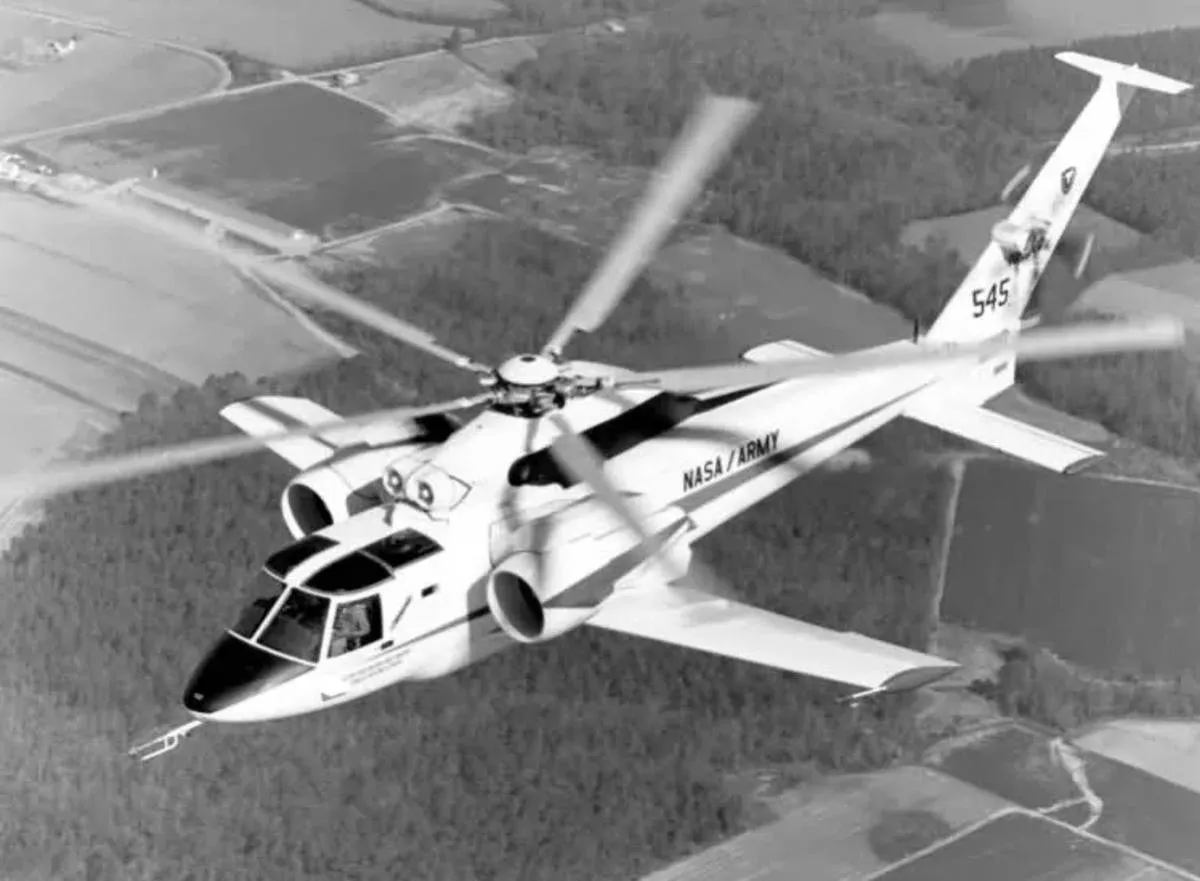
266 590
298 626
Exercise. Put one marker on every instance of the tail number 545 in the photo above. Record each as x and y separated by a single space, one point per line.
989 299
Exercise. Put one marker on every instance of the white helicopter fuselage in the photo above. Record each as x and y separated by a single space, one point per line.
690 475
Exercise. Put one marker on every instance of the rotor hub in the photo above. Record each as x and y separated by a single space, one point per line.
531 371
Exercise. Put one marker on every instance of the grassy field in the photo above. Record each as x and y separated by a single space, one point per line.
1125 295
1009 761
465 10
105 75
943 32
297 153
1169 749
1146 812
439 91
1019 845
1084 19
844 827
939 43
1101 573
967 234
499 57
105 313
152 318
312 36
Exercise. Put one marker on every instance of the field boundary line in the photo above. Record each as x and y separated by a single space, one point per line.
1124 848
224 73
957 467
340 348
949 839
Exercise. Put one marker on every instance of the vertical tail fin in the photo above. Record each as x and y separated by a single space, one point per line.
993 296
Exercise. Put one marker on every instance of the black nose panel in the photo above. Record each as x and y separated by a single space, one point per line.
234 670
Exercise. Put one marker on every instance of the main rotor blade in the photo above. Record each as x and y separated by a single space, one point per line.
79 475
289 276
706 138
1036 345
576 456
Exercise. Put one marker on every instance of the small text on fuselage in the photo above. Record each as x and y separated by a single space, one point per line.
718 466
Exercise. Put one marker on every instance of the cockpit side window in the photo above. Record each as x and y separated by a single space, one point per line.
298 627
356 624
267 590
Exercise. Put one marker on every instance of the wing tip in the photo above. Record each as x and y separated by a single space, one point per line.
1084 463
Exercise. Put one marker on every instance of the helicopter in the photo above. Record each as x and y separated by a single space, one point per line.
424 543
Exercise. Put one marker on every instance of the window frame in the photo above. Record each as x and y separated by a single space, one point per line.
327 647
321 645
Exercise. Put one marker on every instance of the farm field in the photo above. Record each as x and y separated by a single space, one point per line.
297 153
498 57
100 311
460 10
741 282
1010 761
844 827
1101 572
105 75
1170 288
968 233
1169 749
1122 295
940 44
437 90
403 246
316 35
560 190
1019 845
1145 812
943 33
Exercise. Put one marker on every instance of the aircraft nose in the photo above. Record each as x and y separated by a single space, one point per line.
232 671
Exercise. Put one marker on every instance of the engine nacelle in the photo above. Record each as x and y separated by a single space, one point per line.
562 567
320 498
342 487
519 609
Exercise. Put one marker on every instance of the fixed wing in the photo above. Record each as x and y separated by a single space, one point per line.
573 496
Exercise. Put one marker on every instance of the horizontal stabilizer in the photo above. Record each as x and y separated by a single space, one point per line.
1012 436
697 620
1129 74
270 414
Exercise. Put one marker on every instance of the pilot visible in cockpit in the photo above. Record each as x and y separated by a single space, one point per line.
351 628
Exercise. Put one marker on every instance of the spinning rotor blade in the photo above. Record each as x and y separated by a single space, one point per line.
1015 181
1076 249
289 276
576 456
706 137
72 476
1045 344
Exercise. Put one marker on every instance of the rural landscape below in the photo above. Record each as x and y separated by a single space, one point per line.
463 164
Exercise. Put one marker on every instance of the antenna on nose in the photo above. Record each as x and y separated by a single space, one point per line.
165 742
